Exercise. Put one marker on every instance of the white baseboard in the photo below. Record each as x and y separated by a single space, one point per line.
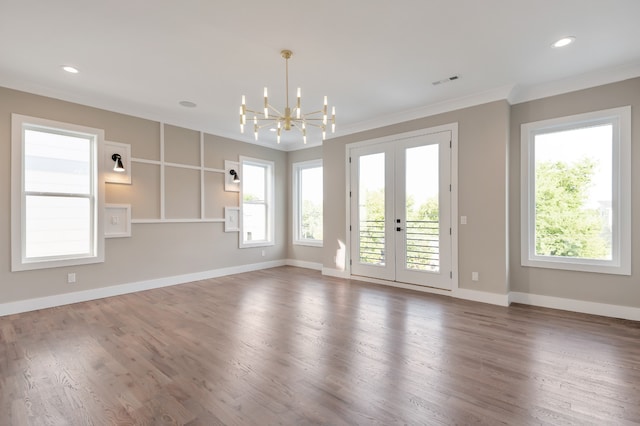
481 296
337 273
117 290
304 264
593 308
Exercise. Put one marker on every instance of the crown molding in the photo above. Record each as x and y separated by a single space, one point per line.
521 94
496 94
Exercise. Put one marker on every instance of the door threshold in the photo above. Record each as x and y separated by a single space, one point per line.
417 287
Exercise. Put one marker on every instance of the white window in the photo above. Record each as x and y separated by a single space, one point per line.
307 203
257 209
576 192
56 198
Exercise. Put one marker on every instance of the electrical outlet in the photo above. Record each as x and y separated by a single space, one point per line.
463 220
71 278
264 253
474 276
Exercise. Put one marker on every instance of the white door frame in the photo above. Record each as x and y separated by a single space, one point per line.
453 128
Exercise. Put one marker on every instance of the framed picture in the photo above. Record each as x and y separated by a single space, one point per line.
232 219
117 220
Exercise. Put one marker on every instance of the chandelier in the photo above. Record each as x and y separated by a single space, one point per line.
275 120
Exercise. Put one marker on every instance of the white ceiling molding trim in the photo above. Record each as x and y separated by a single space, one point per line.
574 83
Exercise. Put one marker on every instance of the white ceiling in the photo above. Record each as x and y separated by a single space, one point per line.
375 59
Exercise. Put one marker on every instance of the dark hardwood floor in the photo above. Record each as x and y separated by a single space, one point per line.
288 346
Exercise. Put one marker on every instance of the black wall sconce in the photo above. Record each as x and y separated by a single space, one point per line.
118 167
236 178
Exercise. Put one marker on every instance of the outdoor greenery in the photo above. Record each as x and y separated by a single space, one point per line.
422 231
311 220
564 226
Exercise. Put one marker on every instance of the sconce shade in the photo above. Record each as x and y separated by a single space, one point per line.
236 178
118 167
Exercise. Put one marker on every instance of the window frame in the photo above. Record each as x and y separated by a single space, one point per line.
268 202
620 119
19 261
297 169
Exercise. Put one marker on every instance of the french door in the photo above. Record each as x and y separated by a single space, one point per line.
401 210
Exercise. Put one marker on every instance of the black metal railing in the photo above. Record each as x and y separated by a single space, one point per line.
422 243
372 242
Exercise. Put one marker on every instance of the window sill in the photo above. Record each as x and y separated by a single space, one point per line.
600 267
308 243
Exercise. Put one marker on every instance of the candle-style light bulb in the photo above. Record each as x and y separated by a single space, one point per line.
333 119
324 112
255 127
266 104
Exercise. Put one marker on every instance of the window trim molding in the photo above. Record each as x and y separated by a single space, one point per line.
269 200
296 168
621 202
18 262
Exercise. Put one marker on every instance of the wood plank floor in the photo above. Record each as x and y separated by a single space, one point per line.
288 346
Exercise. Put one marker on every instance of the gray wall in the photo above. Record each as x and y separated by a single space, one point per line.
488 194
154 250
603 288
483 136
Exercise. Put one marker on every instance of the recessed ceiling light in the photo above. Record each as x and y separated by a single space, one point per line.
187 104
70 69
565 41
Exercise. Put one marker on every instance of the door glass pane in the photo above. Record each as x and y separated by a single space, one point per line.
422 209
371 209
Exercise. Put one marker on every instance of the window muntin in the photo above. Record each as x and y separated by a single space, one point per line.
576 192
257 216
307 203
56 199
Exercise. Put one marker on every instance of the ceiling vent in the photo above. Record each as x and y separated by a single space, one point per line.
446 80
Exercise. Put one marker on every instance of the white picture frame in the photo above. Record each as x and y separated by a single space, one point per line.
117 220
232 219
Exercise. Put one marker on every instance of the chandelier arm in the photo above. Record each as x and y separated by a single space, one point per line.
307 123
309 119
312 113
251 111
274 109
261 126
298 128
